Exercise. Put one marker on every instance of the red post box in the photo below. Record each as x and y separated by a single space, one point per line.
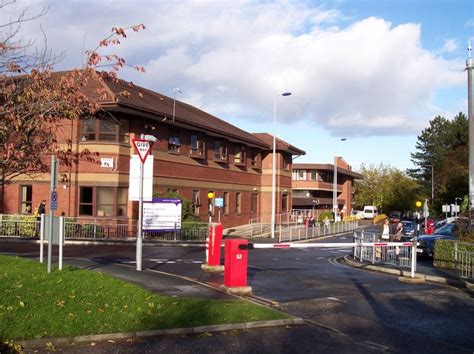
213 249
235 274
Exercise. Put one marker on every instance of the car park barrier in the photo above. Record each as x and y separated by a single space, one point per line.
213 249
235 270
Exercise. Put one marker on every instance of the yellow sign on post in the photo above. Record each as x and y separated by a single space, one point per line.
210 195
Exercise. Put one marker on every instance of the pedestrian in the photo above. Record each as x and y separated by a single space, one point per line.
386 230
40 210
326 224
398 238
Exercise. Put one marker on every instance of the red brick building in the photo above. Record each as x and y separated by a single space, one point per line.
195 153
314 182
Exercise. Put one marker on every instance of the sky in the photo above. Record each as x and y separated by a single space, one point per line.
374 72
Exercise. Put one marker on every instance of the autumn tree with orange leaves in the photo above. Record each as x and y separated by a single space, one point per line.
35 101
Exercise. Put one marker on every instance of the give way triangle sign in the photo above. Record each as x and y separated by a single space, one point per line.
143 148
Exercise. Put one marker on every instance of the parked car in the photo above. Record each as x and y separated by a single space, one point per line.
426 243
409 228
370 211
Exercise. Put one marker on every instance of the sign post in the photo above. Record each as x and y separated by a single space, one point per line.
219 203
143 148
53 205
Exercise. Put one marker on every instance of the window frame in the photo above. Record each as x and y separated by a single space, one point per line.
174 143
116 204
220 153
238 203
24 201
198 151
93 127
240 155
196 201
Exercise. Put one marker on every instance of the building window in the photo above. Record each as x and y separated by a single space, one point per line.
314 175
26 199
299 175
255 159
196 202
220 151
238 203
226 203
198 146
103 201
239 156
284 203
86 201
285 163
173 142
105 129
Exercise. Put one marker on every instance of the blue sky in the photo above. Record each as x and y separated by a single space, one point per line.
374 72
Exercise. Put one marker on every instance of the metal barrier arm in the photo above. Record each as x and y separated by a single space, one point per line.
322 245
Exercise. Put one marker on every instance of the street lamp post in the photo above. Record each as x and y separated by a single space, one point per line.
335 206
175 90
272 227
470 114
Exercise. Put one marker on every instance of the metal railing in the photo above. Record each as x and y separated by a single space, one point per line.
100 229
394 255
464 257
304 232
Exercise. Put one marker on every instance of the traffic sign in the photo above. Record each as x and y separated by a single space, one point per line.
53 200
219 202
142 147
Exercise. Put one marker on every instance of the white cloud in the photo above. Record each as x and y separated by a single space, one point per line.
230 58
450 45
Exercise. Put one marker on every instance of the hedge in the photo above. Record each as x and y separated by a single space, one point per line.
444 253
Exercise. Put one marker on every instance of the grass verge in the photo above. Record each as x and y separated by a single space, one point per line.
71 302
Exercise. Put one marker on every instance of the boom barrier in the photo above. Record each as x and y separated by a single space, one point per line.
236 255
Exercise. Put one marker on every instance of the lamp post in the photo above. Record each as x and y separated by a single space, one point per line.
335 207
470 114
272 227
175 90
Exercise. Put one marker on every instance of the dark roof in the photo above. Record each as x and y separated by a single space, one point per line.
160 105
326 167
280 144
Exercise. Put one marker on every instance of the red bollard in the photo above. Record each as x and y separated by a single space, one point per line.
235 274
213 249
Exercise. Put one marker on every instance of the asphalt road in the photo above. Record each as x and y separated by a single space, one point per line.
347 310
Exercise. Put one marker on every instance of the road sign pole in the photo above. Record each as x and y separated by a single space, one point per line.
53 185
140 220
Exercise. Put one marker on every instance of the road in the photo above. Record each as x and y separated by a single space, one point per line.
347 310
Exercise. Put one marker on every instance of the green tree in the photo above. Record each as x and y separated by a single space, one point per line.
443 145
187 213
385 187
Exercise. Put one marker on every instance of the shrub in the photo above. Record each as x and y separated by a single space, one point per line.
350 218
324 214
18 225
444 253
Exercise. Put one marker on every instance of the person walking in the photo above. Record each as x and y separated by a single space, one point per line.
41 209
386 230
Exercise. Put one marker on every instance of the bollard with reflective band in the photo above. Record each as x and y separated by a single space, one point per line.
213 249
235 274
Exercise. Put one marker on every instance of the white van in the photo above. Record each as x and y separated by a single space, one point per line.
370 211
